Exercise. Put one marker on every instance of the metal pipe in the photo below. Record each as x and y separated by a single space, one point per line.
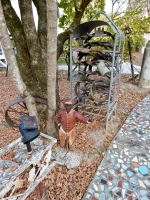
29 149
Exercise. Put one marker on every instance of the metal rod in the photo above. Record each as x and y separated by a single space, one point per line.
29 149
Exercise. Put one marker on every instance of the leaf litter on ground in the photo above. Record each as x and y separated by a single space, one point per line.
62 183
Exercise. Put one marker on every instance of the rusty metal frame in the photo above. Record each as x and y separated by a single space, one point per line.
19 100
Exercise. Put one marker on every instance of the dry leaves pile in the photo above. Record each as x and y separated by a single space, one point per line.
70 184
62 183
7 93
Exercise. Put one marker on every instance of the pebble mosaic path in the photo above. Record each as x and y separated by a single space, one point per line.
124 173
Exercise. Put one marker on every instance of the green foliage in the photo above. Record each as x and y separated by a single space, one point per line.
61 61
133 17
69 11
138 24
93 8
13 43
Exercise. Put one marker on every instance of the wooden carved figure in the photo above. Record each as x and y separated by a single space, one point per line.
66 119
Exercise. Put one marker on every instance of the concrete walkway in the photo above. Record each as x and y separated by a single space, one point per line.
124 173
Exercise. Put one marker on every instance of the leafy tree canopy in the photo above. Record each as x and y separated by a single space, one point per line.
71 7
138 25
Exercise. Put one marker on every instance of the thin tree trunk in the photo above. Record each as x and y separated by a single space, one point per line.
13 67
15 27
42 24
130 55
51 64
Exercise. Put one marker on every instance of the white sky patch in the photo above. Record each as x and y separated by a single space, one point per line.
15 5
16 8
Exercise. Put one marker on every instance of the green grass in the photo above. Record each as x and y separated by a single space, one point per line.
61 61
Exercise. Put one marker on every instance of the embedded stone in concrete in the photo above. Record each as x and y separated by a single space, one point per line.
21 149
10 171
5 171
70 159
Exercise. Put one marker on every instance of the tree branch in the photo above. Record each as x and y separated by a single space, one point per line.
75 5
42 23
15 28
14 71
62 37
37 62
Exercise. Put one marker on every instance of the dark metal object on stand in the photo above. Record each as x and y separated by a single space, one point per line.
28 133
28 128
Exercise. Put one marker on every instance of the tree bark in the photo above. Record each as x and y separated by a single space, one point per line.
144 80
42 24
51 64
24 56
13 67
38 66
33 52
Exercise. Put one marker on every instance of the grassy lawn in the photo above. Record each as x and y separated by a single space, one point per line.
61 61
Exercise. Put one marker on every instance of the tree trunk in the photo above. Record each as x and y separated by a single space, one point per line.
130 55
38 66
144 80
32 50
32 67
42 24
51 64
13 67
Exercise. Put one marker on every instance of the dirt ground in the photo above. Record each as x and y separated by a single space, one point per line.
66 184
